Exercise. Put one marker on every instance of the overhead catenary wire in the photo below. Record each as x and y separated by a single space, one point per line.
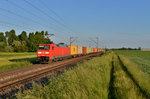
13 13
96 41
60 18
29 3
41 11
14 19
16 5
7 24
27 18
13 3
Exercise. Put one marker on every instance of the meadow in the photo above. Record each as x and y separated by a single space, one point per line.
16 60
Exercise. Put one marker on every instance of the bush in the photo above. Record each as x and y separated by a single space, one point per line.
9 49
2 46
19 47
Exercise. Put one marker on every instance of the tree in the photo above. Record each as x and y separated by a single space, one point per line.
2 37
31 45
36 39
23 42
11 36
139 48
42 33
19 47
46 33
23 36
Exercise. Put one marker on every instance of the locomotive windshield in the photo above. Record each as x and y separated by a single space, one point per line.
44 47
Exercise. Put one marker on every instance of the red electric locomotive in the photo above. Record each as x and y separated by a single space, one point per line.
52 52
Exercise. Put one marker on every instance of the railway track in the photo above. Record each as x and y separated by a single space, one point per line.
16 79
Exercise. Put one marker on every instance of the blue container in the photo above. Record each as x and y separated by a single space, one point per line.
90 50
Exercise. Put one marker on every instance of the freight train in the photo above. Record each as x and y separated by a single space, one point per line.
52 52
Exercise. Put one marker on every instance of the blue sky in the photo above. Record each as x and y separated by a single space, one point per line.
117 23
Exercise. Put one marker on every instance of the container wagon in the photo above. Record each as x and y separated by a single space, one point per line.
79 50
87 50
90 50
94 50
98 50
73 50
84 52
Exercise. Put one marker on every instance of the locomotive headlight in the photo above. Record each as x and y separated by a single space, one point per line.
39 52
46 52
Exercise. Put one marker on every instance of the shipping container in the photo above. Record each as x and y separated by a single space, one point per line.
90 50
94 49
79 50
87 50
73 49
84 52
99 50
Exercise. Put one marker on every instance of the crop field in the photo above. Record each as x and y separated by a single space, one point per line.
15 60
111 75
141 58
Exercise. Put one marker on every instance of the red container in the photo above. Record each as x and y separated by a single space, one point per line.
84 50
98 50
92 50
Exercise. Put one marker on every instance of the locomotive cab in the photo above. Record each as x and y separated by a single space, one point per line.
43 52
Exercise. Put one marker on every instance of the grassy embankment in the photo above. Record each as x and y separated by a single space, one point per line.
15 60
89 79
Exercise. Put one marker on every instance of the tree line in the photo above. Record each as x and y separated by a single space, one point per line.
10 42
124 48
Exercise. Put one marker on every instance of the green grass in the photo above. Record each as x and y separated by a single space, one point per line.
15 60
138 65
123 86
88 80
138 75
96 79
141 58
